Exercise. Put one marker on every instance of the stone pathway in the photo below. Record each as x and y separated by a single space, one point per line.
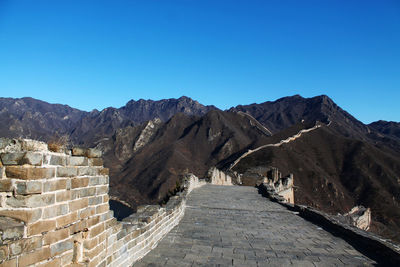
235 226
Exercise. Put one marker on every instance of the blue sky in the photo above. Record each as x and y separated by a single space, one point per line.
95 54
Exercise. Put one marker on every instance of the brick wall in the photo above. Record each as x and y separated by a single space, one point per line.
54 210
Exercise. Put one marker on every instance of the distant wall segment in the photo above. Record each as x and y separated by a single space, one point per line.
54 210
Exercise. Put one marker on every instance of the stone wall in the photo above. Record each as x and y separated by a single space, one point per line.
219 177
54 210
283 186
381 250
359 216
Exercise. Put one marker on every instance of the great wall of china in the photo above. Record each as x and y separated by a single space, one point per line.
54 209
55 212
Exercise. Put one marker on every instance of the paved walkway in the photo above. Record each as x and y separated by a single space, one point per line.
234 225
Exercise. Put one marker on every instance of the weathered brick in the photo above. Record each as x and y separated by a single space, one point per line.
111 223
88 171
2 171
96 230
95 200
41 226
106 198
90 211
32 158
26 216
6 185
59 160
78 151
75 194
34 257
55 185
54 211
25 245
95 162
29 173
102 208
67 171
107 215
63 196
87 192
102 190
102 237
55 236
93 221
78 204
12 158
61 247
11 229
91 254
86 152
31 201
67 219
103 180
77 161
94 180
29 187
80 226
20 158
79 182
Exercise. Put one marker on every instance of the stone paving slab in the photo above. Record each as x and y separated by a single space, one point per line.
235 226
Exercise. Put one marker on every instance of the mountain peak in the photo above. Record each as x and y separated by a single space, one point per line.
186 98
144 110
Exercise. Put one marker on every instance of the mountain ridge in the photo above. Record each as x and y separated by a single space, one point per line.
150 145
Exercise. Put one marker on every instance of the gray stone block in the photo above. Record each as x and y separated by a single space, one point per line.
10 229
61 247
32 158
31 187
31 201
57 160
67 171
14 158
77 161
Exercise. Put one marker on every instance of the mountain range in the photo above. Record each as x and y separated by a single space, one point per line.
149 146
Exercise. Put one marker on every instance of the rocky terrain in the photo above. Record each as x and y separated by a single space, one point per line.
28 117
150 145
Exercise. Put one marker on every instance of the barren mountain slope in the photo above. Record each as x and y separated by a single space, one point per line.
389 128
30 118
183 144
334 173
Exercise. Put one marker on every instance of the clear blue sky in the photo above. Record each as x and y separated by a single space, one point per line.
95 54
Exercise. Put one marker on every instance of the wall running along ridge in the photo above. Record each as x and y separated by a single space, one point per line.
285 141
54 210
